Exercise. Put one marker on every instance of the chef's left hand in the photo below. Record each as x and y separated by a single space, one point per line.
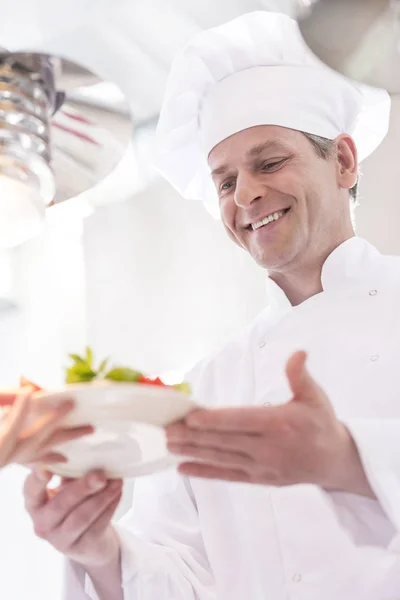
301 441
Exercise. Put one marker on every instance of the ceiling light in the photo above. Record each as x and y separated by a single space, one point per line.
49 151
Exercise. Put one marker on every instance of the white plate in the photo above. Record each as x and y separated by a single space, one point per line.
129 418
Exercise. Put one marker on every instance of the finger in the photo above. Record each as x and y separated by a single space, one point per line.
68 499
18 412
35 436
295 371
181 434
86 514
9 395
40 442
213 456
35 489
63 436
49 421
50 458
65 480
104 519
101 523
245 419
11 427
213 472
303 386
62 482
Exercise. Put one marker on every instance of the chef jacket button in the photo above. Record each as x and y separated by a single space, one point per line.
262 344
373 292
296 578
374 358
267 404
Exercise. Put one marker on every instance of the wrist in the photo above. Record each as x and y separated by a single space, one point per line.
106 554
101 571
347 472
105 577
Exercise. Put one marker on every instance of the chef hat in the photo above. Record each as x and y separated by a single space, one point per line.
255 70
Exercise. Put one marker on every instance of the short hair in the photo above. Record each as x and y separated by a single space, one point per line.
325 149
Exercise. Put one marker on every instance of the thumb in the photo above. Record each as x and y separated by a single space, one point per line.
301 383
35 488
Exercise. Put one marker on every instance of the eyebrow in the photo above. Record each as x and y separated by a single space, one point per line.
254 152
264 146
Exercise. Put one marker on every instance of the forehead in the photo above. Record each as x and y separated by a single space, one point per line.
270 138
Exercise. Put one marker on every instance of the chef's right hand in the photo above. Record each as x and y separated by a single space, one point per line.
76 518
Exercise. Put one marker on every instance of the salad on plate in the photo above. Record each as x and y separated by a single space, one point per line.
83 370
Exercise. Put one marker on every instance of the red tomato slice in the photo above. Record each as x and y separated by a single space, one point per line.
149 381
7 396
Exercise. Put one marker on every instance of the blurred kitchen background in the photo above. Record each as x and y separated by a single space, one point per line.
129 267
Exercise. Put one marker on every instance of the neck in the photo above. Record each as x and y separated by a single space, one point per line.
303 280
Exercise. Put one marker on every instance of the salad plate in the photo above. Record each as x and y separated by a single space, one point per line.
128 411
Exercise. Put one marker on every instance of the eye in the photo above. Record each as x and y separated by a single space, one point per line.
226 186
270 166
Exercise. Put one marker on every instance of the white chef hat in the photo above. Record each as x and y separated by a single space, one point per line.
255 70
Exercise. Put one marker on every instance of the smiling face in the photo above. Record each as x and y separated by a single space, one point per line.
279 200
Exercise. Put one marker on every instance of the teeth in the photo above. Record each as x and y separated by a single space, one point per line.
273 217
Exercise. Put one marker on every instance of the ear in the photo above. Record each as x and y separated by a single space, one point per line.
347 161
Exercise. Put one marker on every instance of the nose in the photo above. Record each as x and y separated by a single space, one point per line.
248 190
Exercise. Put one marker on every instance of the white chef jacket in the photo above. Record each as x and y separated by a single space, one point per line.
193 539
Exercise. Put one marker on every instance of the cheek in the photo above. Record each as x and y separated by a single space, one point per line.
294 186
228 210
231 234
228 213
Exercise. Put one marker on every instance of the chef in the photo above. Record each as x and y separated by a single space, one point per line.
292 486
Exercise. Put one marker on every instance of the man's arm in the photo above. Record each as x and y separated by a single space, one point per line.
148 553
301 442
106 581
378 446
347 473
76 521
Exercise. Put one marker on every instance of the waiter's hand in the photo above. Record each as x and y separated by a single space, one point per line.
75 518
27 445
298 442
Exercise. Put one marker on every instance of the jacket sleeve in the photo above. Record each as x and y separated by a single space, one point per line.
374 522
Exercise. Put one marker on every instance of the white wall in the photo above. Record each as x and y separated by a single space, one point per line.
50 320
164 283
378 216
34 341
10 336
